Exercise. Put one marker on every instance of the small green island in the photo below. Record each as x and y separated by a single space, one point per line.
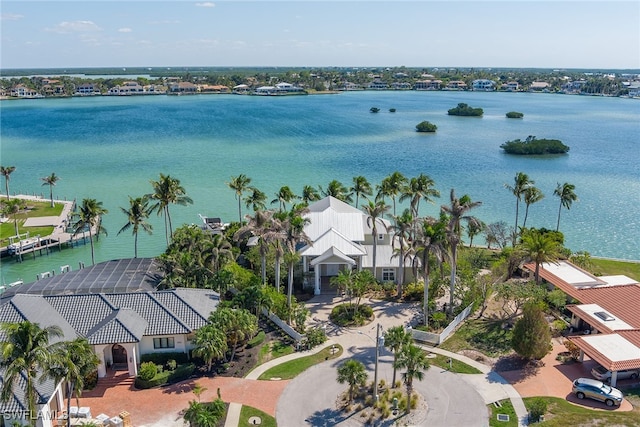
464 110
426 126
514 115
374 110
533 146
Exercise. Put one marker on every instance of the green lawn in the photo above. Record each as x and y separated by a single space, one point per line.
506 408
7 230
561 413
610 268
457 367
273 350
292 368
480 334
35 209
247 412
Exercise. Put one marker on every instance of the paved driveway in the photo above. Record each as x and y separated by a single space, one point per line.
310 398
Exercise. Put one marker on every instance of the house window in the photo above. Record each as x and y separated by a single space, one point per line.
380 236
388 274
163 342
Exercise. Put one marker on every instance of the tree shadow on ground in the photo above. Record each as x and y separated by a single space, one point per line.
517 369
327 418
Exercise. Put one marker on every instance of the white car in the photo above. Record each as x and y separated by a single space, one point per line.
604 375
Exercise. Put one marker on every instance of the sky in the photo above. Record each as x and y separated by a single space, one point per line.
306 33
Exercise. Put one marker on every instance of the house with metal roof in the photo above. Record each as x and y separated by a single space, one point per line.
607 316
342 239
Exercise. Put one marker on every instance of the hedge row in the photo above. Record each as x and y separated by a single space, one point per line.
182 372
163 358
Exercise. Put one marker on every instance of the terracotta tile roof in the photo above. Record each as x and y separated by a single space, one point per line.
604 358
622 301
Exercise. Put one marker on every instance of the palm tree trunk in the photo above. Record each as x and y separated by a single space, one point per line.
409 393
278 273
51 194
263 267
559 210
93 258
400 273
452 285
69 395
375 247
526 213
426 290
290 289
170 225
135 245
239 210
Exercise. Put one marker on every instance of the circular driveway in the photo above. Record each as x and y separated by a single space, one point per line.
310 399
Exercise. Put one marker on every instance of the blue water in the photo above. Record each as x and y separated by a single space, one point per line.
111 147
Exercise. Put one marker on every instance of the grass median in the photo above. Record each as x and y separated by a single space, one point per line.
292 368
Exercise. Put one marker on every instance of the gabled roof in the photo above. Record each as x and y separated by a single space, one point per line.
333 238
333 254
122 325
36 309
332 213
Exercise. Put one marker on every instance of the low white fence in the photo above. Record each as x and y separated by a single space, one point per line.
297 336
437 339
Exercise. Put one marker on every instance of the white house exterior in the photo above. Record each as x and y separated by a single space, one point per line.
342 239
483 85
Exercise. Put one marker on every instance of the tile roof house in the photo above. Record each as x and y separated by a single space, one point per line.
608 314
120 326
342 239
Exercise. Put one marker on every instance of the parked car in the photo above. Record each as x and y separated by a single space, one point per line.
597 390
602 374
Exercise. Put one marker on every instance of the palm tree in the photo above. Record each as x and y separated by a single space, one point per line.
210 343
239 184
215 251
402 236
309 194
50 180
256 200
353 373
11 208
276 236
395 339
418 188
90 216
337 190
473 229
567 196
294 231
283 196
430 239
137 216
531 195
26 353
375 212
6 171
456 212
167 191
392 186
73 361
415 361
258 226
540 248
520 185
238 325
361 187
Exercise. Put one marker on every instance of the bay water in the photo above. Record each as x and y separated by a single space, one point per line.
109 148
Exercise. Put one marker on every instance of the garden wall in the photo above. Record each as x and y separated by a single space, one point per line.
436 339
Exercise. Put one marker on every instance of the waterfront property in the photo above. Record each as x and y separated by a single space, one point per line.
607 314
342 239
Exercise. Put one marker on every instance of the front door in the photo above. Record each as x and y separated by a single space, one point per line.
119 354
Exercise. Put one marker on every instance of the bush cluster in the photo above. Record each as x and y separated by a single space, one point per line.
426 126
464 110
257 340
514 115
532 146
181 372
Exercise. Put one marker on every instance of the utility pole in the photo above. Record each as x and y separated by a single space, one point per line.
375 372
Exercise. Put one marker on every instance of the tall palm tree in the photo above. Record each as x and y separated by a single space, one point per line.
256 200
137 216
520 185
395 338
90 216
420 187
392 186
276 236
168 191
239 184
337 190
309 194
294 229
210 343
51 180
215 252
456 212
26 353
414 360
361 187
258 226
73 361
11 208
531 195
430 239
567 196
402 227
353 373
284 196
6 171
375 212
540 248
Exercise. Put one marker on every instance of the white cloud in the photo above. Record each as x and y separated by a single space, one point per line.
124 30
206 4
10 17
74 27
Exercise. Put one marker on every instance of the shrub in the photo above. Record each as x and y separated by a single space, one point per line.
182 372
514 115
350 315
464 110
171 365
426 126
537 408
163 358
572 348
557 299
558 327
257 340
535 146
414 292
147 371
315 336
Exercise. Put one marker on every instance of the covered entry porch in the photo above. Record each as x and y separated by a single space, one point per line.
326 266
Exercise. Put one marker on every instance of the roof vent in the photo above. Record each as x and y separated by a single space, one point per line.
604 316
